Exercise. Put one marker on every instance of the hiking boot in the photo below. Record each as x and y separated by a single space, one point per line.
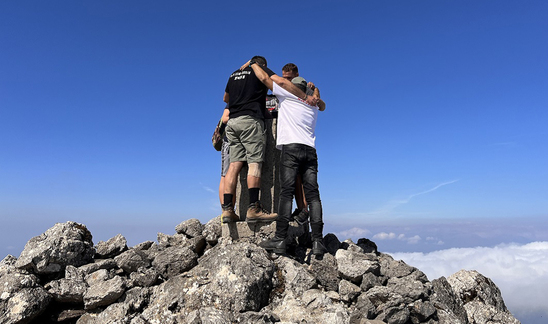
228 215
256 213
302 217
317 248
276 245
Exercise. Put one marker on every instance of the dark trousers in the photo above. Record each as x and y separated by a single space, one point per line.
299 159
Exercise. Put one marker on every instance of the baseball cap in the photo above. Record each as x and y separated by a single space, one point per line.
300 82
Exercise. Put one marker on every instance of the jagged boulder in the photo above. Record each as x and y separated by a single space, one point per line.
235 278
111 248
21 297
64 244
481 297
198 276
191 228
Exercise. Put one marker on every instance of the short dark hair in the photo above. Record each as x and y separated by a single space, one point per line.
259 60
290 67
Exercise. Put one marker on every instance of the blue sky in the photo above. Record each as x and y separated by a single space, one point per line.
434 136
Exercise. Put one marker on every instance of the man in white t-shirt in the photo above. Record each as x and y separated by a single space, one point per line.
296 137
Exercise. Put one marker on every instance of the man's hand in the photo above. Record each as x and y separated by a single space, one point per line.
312 100
245 65
311 86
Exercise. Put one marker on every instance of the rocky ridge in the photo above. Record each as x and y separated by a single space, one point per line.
196 276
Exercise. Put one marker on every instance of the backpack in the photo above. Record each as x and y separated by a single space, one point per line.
218 135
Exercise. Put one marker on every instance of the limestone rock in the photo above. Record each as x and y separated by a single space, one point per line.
481 297
64 244
21 297
104 292
196 276
111 248
353 265
191 228
174 260
132 260
212 231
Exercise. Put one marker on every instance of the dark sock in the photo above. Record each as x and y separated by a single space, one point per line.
228 199
253 195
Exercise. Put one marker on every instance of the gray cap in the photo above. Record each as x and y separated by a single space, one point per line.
300 82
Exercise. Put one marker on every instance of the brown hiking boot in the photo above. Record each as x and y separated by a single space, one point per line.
256 213
228 215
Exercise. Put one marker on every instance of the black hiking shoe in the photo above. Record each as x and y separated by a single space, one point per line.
276 245
317 248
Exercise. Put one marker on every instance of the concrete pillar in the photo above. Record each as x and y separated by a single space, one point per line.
270 185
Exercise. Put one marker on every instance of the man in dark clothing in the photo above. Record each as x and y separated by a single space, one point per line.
245 95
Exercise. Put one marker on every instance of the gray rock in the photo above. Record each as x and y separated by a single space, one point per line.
210 315
144 277
97 277
481 297
314 306
64 244
422 311
67 290
353 265
113 314
395 315
24 305
213 231
409 290
136 298
450 307
234 281
132 260
21 297
326 272
348 291
369 280
144 246
191 228
174 260
104 293
111 248
295 276
235 277
196 244
363 311
106 264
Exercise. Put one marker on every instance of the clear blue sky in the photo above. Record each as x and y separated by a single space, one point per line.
435 135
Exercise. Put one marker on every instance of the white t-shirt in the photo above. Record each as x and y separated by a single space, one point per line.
296 119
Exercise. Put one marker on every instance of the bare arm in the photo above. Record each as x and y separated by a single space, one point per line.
226 112
262 76
321 104
225 97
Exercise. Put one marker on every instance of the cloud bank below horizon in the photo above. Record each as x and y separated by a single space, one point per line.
520 271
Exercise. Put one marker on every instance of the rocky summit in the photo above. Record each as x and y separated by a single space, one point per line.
212 274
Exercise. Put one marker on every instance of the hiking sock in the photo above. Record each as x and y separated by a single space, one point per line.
227 199
253 195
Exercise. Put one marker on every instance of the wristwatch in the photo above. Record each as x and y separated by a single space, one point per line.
251 62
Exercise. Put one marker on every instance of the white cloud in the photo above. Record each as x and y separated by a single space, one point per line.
354 232
391 236
384 236
520 271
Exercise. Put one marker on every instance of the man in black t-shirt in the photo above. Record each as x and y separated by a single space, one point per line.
245 95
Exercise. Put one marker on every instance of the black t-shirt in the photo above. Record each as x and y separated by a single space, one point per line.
247 94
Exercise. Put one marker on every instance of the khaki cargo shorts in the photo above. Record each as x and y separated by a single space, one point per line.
247 139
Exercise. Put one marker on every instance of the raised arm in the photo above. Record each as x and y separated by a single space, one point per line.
262 75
